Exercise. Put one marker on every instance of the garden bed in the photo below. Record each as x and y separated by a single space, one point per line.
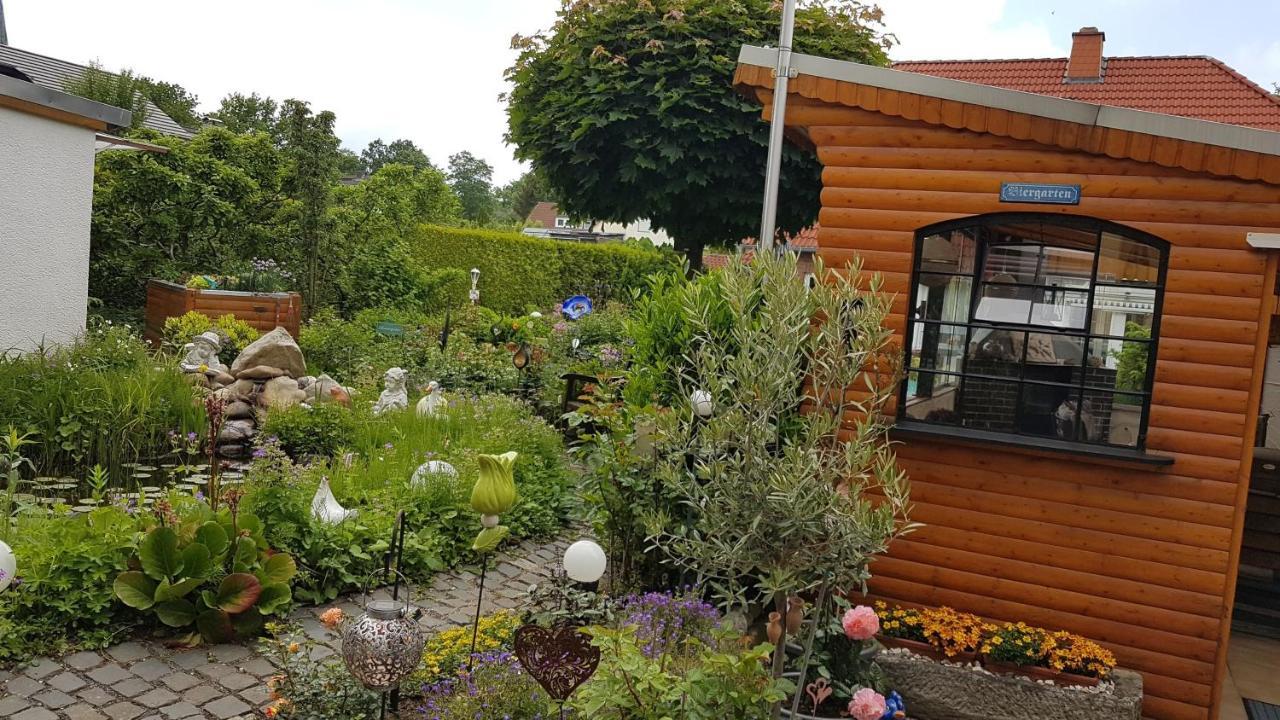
945 691
263 311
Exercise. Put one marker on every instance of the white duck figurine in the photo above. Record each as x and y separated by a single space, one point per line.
431 467
325 507
433 403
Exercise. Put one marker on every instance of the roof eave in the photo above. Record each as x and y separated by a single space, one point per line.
1104 116
92 112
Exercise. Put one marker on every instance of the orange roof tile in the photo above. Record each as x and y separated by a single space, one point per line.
806 239
1196 87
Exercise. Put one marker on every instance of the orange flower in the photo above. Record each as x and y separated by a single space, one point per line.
293 647
271 711
331 618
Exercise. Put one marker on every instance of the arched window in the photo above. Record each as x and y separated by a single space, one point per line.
1041 326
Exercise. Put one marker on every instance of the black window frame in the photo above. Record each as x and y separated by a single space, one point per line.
979 226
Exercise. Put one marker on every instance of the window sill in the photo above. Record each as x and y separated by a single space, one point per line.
1035 446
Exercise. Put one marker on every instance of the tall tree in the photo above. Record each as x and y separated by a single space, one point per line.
247 113
311 169
176 101
403 152
122 89
628 107
519 196
472 179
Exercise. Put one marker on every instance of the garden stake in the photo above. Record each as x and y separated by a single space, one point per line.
779 652
819 608
396 552
475 632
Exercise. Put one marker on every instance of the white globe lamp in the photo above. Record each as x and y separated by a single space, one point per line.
584 562
8 566
702 403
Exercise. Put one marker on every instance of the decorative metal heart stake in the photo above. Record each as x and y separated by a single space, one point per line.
818 690
560 658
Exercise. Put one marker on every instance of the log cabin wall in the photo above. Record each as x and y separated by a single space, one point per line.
1141 559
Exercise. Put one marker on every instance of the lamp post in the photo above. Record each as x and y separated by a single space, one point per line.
773 168
475 291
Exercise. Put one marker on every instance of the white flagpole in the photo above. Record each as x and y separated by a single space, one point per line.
773 169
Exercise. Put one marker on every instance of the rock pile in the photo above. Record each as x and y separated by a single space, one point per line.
270 373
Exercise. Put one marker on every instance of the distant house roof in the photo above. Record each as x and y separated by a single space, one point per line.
1196 87
714 261
543 215
54 74
804 241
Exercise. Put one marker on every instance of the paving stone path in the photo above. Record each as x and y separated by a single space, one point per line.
143 680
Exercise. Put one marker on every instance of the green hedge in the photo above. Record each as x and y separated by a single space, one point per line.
519 272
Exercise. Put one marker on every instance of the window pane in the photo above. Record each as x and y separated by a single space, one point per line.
938 347
951 252
1064 267
1114 419
1012 264
933 398
995 352
1123 311
1127 261
1060 308
1005 303
1049 411
944 298
1118 364
990 404
1016 232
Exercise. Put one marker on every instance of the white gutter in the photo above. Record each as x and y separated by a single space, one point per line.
1104 116
1264 241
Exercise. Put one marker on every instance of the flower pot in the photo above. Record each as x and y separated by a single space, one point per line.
1036 672
919 648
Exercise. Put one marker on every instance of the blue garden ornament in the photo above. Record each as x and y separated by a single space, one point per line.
894 707
576 306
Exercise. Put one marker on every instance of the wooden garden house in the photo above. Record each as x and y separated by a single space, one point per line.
1084 293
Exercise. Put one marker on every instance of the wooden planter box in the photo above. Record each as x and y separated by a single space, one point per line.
264 311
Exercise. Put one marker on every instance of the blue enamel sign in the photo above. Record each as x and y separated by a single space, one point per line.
1038 193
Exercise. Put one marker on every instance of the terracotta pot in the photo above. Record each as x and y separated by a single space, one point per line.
1035 672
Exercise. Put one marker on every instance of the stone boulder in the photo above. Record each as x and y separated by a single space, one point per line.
281 392
326 389
238 410
276 349
260 372
234 431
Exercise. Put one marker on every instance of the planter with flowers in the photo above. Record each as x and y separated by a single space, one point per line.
938 633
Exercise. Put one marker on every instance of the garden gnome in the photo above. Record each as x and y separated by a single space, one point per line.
395 396
433 403
201 354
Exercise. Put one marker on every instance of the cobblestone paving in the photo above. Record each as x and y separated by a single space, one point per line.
143 680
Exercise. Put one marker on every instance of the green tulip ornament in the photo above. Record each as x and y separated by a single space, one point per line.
495 491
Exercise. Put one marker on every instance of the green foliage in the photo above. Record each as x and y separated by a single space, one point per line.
629 111
518 272
1131 358
780 501
717 681
101 401
208 570
65 599
496 687
312 686
398 152
310 152
472 179
661 336
316 431
247 114
374 480
518 197
446 652
204 206
236 334
122 89
175 101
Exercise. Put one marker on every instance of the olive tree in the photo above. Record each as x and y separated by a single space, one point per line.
627 108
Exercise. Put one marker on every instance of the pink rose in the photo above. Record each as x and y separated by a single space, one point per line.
860 623
867 704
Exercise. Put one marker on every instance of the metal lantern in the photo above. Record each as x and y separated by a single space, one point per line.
384 645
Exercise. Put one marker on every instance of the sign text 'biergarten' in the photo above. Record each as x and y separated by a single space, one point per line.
1038 193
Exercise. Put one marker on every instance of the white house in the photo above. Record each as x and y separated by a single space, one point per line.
48 140
546 220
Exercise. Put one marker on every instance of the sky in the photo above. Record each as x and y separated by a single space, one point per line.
432 70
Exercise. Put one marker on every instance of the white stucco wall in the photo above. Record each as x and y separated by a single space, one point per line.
46 198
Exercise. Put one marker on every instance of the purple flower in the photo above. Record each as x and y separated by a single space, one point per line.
668 622
259 452
200 495
191 436
388 446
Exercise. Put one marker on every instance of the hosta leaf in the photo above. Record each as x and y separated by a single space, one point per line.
159 554
274 598
213 537
135 589
176 613
246 554
215 626
197 562
279 568
238 592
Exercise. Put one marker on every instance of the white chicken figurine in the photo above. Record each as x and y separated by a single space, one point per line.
433 403
325 507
